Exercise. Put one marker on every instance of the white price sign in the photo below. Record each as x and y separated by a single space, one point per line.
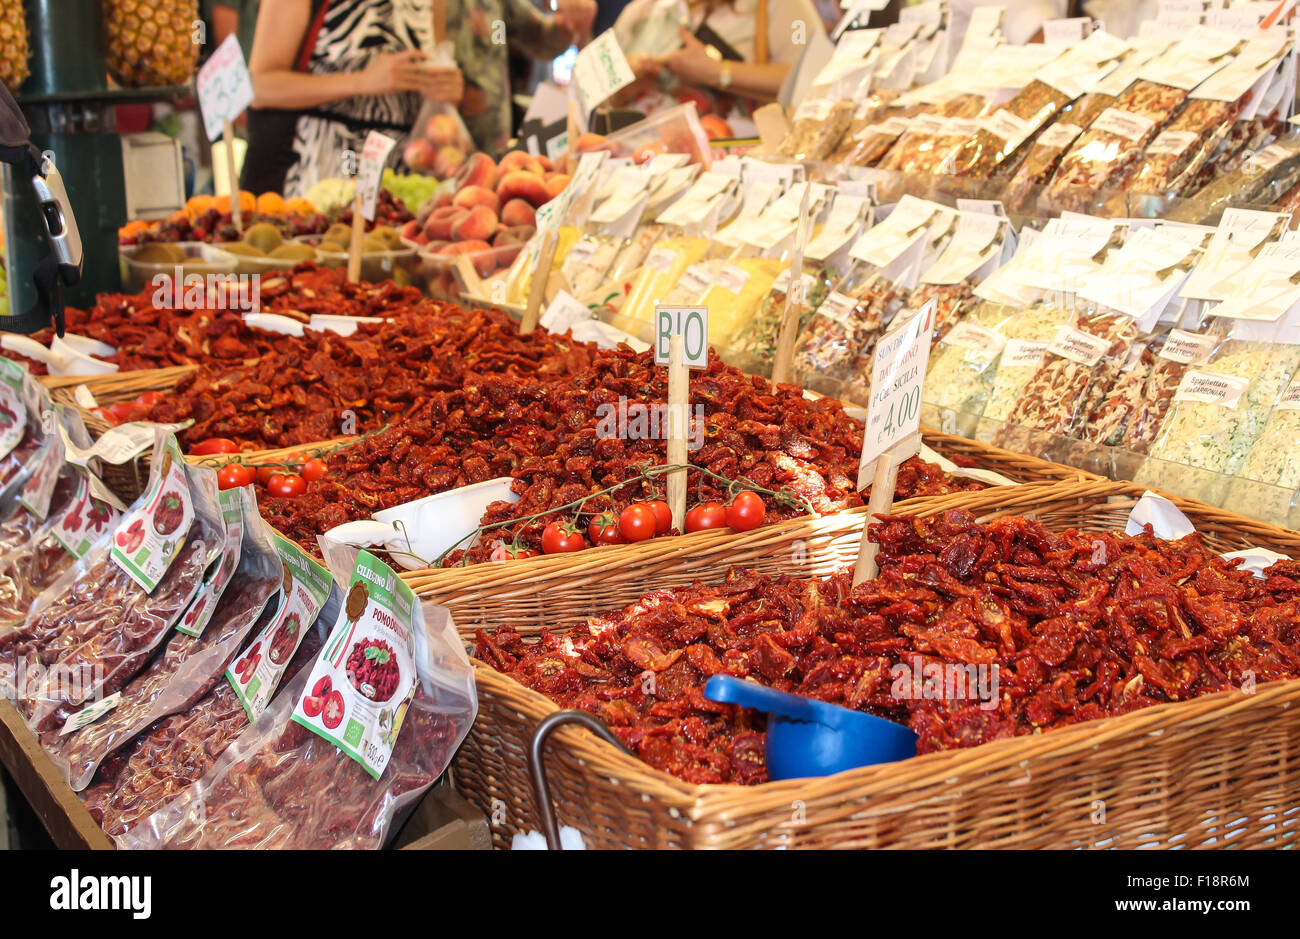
689 322
599 70
225 88
898 372
373 155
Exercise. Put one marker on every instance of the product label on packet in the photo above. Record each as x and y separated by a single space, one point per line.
1124 124
39 488
1290 400
149 539
1024 353
364 681
1211 388
1078 346
13 406
1187 348
304 588
84 520
197 617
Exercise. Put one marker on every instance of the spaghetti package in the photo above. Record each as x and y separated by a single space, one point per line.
964 362
1262 177
1028 332
663 268
1179 351
923 145
1108 419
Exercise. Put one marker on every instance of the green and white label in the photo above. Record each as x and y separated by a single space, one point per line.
149 538
689 322
304 588
199 614
364 681
13 406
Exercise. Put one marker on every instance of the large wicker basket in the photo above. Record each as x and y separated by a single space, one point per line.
1219 771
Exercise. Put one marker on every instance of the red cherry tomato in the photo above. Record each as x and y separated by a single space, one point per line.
314 469
264 473
637 522
213 445
559 538
286 486
746 511
150 398
603 529
234 475
663 515
121 412
706 515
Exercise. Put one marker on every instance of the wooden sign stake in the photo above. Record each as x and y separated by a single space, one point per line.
354 243
883 484
678 411
232 176
783 366
537 289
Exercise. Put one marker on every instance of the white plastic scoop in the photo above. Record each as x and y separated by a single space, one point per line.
275 323
70 355
418 532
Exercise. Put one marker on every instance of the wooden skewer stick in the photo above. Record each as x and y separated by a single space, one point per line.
678 415
232 175
883 484
354 244
537 289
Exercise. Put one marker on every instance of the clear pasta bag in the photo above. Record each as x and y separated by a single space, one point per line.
289 781
1270 477
959 379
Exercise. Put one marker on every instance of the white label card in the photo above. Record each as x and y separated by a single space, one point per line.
689 322
371 171
898 372
224 87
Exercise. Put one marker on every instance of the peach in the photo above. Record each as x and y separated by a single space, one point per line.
473 196
588 143
447 160
442 130
411 229
519 184
442 221
515 234
463 247
418 155
477 170
483 257
547 165
555 185
518 212
479 224
520 161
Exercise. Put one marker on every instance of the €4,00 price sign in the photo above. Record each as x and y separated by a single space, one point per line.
689 322
898 372
224 87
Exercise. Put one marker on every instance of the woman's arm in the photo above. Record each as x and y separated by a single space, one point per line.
693 66
281 26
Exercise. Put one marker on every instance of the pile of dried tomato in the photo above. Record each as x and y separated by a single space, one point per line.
546 431
1073 627
149 335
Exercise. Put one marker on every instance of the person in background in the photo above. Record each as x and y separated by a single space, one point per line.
716 49
233 16
482 34
327 73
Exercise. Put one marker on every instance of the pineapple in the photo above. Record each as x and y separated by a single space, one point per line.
14 47
150 42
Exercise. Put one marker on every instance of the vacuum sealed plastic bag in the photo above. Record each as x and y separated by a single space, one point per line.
293 779
1179 351
232 601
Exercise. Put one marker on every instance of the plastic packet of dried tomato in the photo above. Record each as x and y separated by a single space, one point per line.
99 623
231 602
173 754
281 785
24 402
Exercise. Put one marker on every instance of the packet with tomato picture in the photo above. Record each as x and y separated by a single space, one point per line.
234 599
283 784
96 626
47 485
305 588
22 402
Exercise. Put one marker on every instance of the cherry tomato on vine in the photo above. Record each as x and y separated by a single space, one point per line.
213 445
746 511
234 475
504 552
637 522
286 486
663 515
265 473
603 529
314 469
561 538
123 411
706 515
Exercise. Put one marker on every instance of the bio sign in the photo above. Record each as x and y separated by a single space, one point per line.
689 322
898 372
224 87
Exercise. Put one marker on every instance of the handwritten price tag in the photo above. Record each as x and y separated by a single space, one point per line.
225 88
898 372
599 70
373 156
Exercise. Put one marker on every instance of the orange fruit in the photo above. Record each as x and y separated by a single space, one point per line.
197 205
300 206
221 203
271 203
247 201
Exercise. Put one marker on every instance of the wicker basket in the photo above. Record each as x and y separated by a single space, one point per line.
1212 772
113 389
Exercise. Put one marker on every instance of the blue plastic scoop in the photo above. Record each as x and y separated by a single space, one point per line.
807 738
